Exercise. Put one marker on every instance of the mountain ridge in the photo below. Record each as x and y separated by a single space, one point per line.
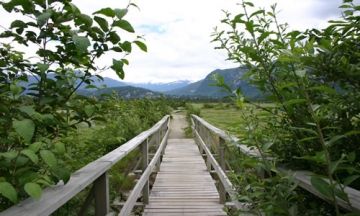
207 86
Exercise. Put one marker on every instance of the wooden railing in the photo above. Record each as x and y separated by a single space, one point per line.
210 136
225 187
96 173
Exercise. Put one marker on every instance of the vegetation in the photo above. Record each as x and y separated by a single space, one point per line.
122 120
40 122
311 78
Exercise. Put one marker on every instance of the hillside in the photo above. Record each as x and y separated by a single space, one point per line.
109 83
126 92
162 87
205 88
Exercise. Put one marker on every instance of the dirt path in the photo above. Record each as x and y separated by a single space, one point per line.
177 125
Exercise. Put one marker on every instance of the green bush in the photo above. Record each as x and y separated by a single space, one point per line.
312 79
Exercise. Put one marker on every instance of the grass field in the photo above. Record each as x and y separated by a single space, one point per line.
221 115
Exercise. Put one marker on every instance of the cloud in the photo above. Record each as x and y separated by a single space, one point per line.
177 33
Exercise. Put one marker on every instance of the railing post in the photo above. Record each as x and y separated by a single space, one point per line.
158 141
145 162
101 193
222 191
195 125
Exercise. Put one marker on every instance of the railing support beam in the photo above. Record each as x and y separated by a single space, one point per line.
101 194
145 162
222 191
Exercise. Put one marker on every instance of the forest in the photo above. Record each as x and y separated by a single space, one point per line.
307 118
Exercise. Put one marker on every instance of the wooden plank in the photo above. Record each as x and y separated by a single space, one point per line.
183 184
183 214
55 196
145 162
101 195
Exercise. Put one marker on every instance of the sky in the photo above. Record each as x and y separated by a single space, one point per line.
177 33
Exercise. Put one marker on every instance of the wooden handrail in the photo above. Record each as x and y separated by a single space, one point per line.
220 133
56 196
301 177
228 186
135 193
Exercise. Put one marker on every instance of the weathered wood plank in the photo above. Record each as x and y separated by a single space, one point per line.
183 185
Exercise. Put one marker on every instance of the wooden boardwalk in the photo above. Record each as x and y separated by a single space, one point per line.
183 185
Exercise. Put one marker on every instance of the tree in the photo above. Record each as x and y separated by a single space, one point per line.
312 78
65 44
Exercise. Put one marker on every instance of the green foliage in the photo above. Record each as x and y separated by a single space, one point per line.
311 77
36 116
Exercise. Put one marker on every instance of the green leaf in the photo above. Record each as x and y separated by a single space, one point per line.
31 155
18 24
125 61
27 5
81 43
42 67
120 13
125 25
319 157
114 37
8 191
250 27
321 186
84 19
48 157
33 189
89 110
351 156
73 8
294 101
117 49
104 25
351 179
263 36
25 128
323 89
249 4
334 139
334 165
61 173
256 13
341 194
106 11
29 110
43 18
9 155
118 68
15 89
141 45
60 147
126 46
35 147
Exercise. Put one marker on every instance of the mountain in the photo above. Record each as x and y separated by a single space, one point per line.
126 92
232 77
109 82
162 87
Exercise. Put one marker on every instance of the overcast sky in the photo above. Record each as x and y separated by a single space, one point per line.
177 33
